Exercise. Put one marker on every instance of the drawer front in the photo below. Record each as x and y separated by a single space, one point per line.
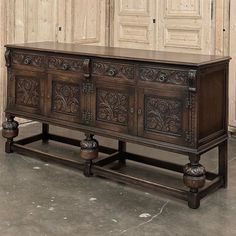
63 63
157 74
31 60
114 70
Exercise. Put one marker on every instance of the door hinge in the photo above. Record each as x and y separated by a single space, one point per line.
87 87
87 117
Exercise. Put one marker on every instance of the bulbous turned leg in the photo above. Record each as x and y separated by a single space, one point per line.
194 178
9 131
89 151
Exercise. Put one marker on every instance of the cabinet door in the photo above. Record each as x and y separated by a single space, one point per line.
26 91
113 107
163 114
64 97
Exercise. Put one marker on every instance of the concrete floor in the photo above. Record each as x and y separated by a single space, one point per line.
41 199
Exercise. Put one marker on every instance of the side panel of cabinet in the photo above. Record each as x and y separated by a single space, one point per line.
163 115
113 107
26 91
64 97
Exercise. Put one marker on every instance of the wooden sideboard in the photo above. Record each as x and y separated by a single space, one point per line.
173 101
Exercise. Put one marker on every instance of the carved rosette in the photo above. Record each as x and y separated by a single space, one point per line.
89 148
194 176
10 128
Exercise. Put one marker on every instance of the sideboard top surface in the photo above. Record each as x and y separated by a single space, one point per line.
123 53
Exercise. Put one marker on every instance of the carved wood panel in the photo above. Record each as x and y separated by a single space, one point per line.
27 91
65 98
112 106
166 115
163 115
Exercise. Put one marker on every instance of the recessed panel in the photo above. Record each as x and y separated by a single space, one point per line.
27 91
183 37
163 115
183 8
134 7
132 32
65 98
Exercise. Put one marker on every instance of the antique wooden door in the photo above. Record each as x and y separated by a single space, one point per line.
169 25
82 21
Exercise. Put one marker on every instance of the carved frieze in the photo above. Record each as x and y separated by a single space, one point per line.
163 115
28 59
66 64
65 98
124 71
27 91
112 106
162 75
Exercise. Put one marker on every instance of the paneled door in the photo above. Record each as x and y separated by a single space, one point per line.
82 21
133 25
166 25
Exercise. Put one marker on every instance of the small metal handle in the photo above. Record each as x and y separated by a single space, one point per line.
65 66
111 72
132 110
27 61
162 77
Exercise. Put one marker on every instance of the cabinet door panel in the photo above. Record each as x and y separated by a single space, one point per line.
26 91
64 97
114 107
163 115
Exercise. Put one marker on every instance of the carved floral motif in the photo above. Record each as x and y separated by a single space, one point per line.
61 63
65 98
162 75
112 106
28 91
28 59
163 115
124 71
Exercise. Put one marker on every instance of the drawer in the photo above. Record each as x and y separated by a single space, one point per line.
115 70
65 63
164 75
28 59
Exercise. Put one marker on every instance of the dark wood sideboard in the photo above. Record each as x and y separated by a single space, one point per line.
172 101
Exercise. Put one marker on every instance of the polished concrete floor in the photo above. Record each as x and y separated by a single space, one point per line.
42 199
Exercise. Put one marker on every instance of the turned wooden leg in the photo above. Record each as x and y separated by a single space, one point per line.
9 131
45 132
122 148
194 178
223 163
89 151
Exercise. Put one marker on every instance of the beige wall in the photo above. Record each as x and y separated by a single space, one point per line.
131 25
